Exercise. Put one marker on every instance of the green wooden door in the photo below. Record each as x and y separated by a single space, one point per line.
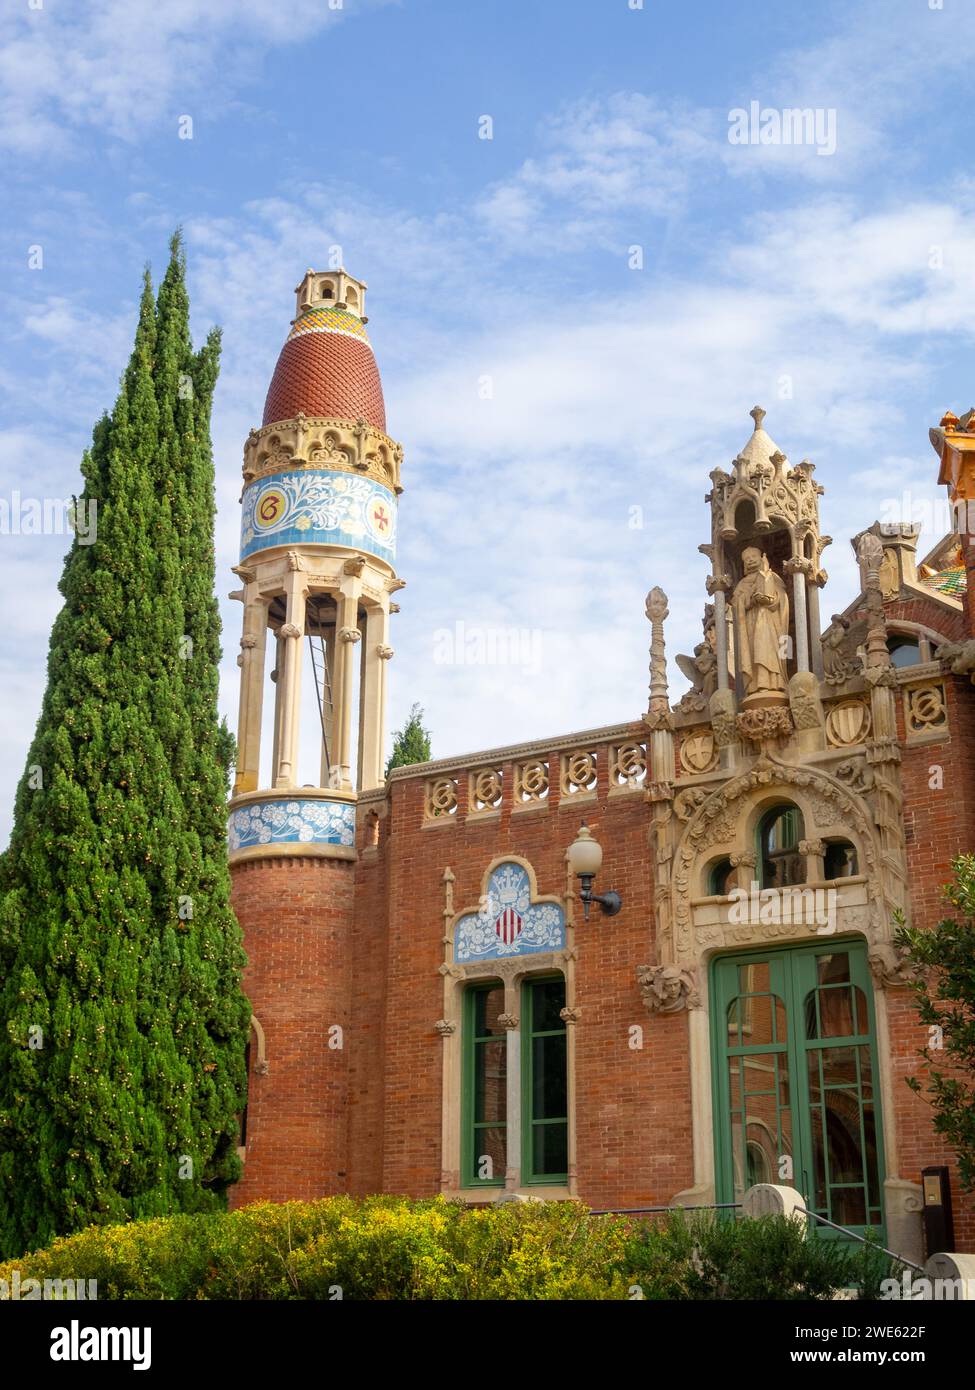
796 1086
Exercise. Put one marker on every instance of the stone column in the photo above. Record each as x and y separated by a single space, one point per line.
798 568
813 586
291 637
328 712
377 653
718 585
658 719
509 1021
347 634
814 853
746 865
253 646
277 678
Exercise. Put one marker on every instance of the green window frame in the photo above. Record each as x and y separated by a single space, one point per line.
795 1071
484 1133
544 1082
544 1079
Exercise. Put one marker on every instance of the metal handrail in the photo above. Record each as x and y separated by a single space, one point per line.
736 1206
864 1240
639 1211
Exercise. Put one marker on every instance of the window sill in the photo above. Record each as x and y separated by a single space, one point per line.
486 1196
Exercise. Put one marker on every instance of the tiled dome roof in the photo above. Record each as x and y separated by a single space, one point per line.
327 367
948 581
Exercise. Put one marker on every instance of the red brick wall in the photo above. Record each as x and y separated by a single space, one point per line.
368 1118
632 1106
296 915
939 824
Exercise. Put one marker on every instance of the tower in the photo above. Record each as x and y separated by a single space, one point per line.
765 553
318 535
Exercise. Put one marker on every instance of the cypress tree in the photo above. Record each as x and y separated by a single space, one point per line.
122 1022
411 744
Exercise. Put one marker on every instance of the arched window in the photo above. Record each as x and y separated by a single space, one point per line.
721 878
779 833
904 651
328 290
840 860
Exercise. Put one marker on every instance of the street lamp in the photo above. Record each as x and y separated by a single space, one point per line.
585 858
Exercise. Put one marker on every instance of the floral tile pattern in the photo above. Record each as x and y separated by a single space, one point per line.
322 507
301 821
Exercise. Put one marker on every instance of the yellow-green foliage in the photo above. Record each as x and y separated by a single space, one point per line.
394 1248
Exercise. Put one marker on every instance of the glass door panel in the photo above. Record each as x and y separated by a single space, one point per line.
794 1067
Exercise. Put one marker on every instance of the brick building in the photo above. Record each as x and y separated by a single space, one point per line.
434 1011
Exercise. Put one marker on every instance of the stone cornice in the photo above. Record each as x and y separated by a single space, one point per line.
322 442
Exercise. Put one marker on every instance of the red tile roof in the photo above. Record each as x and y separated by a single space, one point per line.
326 373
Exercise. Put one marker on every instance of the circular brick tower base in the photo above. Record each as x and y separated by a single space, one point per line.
296 916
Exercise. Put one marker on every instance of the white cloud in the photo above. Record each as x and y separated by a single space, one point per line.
118 66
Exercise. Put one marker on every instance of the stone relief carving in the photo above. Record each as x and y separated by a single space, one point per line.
842 646
667 989
847 723
698 752
959 658
723 718
765 722
891 966
701 669
804 701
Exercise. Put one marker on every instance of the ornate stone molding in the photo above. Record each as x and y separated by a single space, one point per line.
446 1027
508 1021
658 719
711 818
760 725
323 442
891 966
349 634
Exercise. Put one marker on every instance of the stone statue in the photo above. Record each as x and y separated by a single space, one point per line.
701 669
761 608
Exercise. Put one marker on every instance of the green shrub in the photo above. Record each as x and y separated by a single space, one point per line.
391 1248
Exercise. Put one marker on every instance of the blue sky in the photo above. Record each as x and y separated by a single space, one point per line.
615 390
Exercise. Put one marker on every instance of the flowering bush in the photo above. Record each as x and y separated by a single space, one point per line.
384 1248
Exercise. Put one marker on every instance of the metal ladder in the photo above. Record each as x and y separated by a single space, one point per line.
323 693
